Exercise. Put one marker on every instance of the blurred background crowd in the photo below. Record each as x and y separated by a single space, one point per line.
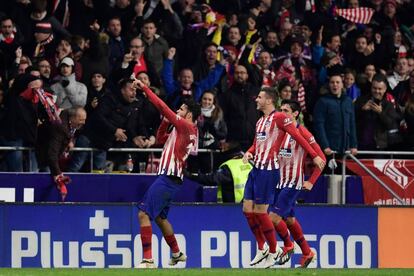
348 63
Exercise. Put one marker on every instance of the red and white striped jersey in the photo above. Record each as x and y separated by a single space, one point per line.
270 131
292 160
178 143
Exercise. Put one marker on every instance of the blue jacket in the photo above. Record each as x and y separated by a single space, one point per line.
334 123
173 87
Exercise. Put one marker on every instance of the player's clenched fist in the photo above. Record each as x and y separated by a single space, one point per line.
247 156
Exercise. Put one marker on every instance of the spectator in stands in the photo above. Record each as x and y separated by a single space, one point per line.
185 85
10 40
57 139
328 55
116 44
156 47
116 122
151 115
96 91
43 44
211 124
207 62
23 113
400 73
352 89
334 119
233 37
68 91
134 61
239 107
365 53
271 44
45 73
64 49
169 24
376 118
261 73
404 90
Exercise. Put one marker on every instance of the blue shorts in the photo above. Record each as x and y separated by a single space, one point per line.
260 186
157 199
284 202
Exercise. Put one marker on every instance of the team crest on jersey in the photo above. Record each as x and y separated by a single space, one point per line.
261 136
285 153
292 141
267 123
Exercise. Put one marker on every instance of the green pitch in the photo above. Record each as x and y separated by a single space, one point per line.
203 272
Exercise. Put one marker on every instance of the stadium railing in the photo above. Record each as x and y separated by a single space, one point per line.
125 150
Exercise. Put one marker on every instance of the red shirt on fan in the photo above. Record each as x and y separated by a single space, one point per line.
270 131
292 160
178 144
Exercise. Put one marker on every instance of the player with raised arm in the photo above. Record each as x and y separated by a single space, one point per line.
292 162
178 143
261 185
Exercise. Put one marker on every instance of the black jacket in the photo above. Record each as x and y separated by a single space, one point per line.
53 140
240 113
111 113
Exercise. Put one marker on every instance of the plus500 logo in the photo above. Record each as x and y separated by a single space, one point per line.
335 251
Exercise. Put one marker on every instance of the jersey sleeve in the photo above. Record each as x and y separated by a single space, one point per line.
311 140
171 116
285 123
162 134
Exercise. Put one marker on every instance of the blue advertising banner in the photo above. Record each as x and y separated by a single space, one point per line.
39 187
94 235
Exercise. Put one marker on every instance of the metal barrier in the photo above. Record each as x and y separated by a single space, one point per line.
126 150
366 169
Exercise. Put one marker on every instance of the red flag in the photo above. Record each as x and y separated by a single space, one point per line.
361 15
396 174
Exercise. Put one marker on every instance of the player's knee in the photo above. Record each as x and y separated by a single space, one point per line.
142 216
275 218
290 220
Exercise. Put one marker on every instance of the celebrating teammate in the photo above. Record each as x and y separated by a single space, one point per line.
177 146
260 187
292 160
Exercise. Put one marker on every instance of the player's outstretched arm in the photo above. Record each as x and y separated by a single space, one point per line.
317 171
157 102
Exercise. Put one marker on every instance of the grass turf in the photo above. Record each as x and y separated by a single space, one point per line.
202 272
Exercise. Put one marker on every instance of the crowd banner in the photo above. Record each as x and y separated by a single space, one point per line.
398 175
212 235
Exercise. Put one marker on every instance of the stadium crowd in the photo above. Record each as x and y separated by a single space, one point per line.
354 80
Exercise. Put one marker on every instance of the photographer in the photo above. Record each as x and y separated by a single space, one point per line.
376 118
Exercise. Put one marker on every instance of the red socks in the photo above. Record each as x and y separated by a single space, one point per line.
266 225
172 243
255 227
297 234
146 236
282 230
